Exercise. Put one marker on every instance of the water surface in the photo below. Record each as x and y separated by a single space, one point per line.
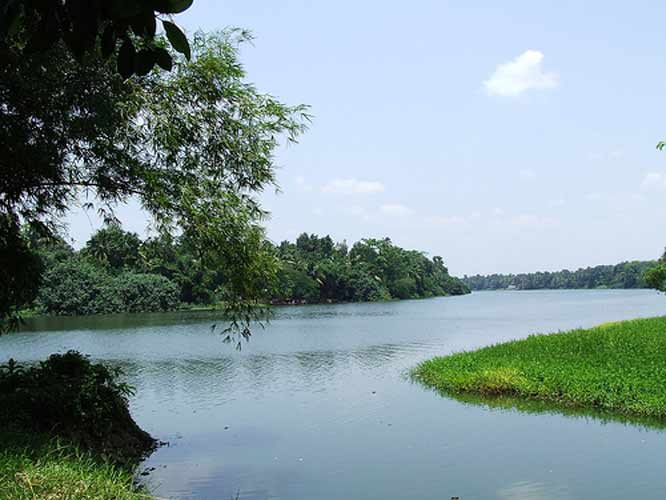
317 406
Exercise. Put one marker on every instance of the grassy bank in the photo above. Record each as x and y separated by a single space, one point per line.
66 432
37 467
619 367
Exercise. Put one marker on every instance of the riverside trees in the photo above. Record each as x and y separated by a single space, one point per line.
117 272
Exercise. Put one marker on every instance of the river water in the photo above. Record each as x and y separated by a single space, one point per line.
318 405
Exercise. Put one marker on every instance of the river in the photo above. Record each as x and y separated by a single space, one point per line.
318 404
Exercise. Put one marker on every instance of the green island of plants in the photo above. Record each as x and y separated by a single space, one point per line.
617 367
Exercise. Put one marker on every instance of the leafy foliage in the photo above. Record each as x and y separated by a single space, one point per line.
316 269
145 292
90 28
617 367
79 286
117 272
20 269
114 248
655 276
194 146
623 275
70 397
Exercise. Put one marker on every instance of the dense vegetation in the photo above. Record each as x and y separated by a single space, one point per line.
67 432
623 275
36 467
69 397
27 27
194 146
118 272
617 367
655 276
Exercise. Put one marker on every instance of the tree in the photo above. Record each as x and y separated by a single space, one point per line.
77 287
88 27
114 248
193 146
655 276
20 267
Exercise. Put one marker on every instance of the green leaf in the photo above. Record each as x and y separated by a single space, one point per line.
126 59
661 145
143 24
144 62
173 6
178 39
163 59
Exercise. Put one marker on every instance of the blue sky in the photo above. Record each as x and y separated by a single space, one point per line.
507 138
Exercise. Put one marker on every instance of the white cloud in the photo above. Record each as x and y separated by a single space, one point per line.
654 181
527 174
395 210
519 75
353 186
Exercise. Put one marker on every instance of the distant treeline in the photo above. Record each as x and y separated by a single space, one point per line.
116 271
623 275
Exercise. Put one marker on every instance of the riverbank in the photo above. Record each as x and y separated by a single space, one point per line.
617 367
66 431
35 466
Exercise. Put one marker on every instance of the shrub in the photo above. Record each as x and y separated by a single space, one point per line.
146 293
70 397
78 287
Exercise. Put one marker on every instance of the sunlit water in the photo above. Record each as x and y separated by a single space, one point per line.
317 406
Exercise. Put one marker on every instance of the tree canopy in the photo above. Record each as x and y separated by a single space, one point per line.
118 272
115 29
194 146
623 275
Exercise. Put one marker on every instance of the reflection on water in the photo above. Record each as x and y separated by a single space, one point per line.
318 405
509 403
526 490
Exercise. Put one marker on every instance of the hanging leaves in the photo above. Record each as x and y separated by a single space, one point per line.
177 38
126 59
28 27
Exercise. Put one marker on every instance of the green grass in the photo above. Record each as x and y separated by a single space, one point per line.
34 467
617 367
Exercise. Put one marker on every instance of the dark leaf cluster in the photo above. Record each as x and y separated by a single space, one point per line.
113 28
70 397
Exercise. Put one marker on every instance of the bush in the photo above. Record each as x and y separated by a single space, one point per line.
146 293
70 397
655 277
79 287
